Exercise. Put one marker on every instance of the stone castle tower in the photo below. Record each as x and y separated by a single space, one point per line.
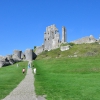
51 38
63 34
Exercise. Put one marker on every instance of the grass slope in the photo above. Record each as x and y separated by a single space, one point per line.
69 78
81 50
10 76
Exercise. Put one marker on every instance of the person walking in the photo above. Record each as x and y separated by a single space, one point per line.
23 70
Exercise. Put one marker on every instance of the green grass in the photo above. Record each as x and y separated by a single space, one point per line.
59 76
10 77
81 50
68 78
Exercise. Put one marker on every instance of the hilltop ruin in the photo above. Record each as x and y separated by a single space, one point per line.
87 39
52 39
17 56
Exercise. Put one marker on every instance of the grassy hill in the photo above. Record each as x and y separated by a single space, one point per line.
61 76
10 77
79 50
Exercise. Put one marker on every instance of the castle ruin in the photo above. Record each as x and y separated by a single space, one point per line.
52 39
63 34
87 39
17 56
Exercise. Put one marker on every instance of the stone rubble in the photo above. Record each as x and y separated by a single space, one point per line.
17 56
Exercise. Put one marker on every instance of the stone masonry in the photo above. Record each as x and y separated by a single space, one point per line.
17 56
63 34
52 39
88 39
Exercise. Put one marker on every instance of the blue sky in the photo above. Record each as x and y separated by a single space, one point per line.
23 22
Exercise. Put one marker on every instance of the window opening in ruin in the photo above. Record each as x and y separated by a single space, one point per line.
45 39
45 33
48 38
48 33
56 31
58 41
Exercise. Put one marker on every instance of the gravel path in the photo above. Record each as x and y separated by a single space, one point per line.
25 90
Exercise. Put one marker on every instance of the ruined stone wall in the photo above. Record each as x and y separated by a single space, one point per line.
17 55
29 54
51 38
63 34
48 40
88 39
39 50
56 41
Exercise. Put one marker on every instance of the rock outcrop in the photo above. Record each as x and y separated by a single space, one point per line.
4 61
63 48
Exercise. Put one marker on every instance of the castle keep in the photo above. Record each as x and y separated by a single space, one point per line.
52 39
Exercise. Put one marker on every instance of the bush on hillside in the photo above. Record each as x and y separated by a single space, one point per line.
64 44
71 44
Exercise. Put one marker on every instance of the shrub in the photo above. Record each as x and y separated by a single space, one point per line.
71 44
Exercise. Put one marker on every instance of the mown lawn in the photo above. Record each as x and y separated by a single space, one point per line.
68 78
10 77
